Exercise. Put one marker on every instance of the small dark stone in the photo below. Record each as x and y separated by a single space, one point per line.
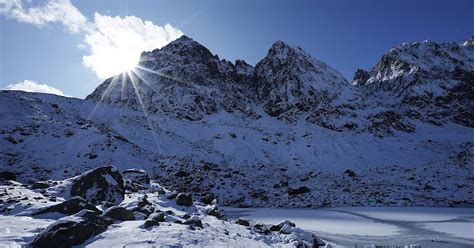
261 228
242 222
150 223
181 173
217 213
428 187
275 228
40 185
7 175
350 173
300 190
119 213
208 199
194 222
154 220
183 199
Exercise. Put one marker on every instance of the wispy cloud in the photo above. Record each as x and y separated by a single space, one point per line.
33 86
53 11
114 43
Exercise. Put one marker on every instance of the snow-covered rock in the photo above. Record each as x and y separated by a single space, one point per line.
165 221
103 184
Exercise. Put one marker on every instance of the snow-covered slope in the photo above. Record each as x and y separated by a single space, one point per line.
240 161
49 216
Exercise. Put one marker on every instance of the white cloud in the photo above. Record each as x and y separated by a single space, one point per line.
52 11
116 43
32 86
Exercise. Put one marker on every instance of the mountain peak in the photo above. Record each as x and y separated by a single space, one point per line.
280 44
184 41
468 42
281 50
180 50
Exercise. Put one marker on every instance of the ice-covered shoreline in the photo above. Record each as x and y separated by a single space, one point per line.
349 226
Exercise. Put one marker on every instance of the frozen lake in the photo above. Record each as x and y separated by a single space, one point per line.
353 226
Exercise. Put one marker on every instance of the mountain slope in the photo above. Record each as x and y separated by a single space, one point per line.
240 161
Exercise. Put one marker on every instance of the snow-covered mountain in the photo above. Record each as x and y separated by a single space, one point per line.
182 79
427 81
289 132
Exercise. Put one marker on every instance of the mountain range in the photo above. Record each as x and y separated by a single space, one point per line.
288 132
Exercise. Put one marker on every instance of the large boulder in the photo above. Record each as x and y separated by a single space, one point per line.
71 231
69 207
100 184
136 179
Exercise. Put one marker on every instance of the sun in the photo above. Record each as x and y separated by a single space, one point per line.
111 61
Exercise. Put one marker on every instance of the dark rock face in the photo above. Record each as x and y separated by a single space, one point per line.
183 199
67 233
428 81
7 175
100 184
360 77
183 79
70 207
290 82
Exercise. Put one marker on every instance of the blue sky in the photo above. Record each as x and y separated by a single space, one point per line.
47 45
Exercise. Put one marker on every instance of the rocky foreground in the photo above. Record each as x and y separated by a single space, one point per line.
103 207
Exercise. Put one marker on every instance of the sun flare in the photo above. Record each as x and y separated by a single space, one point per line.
112 61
